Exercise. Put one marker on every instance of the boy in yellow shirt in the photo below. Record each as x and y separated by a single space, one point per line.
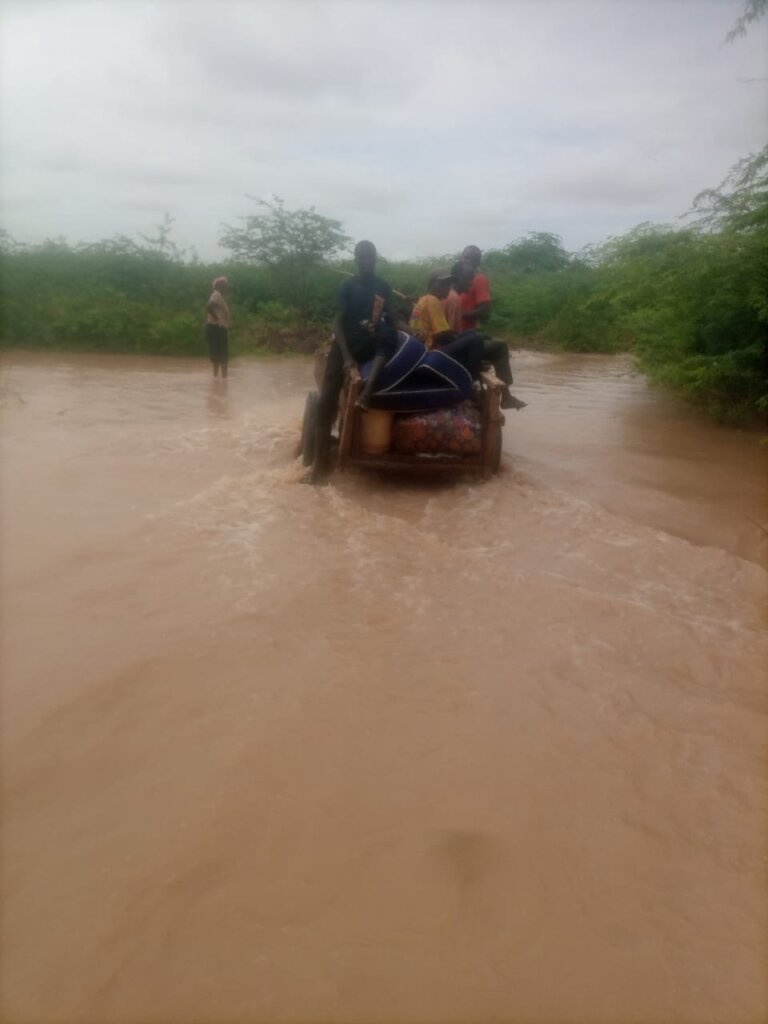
428 324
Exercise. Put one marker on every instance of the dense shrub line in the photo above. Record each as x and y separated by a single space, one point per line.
691 303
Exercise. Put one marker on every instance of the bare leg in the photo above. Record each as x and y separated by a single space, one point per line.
333 380
319 470
497 353
364 400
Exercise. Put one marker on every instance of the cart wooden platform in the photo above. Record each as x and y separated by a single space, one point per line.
349 452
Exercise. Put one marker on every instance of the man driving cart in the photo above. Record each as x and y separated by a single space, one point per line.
365 329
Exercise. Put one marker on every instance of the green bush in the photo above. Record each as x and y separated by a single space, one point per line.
692 303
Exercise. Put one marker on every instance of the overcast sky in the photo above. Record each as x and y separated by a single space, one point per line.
422 125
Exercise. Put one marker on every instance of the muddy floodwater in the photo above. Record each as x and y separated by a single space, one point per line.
383 751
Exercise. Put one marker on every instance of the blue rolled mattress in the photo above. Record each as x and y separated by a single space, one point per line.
417 379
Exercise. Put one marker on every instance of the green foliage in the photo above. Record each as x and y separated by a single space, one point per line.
753 11
113 295
535 253
691 303
740 202
704 329
284 236
293 244
587 322
527 304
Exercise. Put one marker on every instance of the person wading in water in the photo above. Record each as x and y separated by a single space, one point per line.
217 326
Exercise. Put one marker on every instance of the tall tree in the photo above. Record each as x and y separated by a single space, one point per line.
162 244
278 236
292 243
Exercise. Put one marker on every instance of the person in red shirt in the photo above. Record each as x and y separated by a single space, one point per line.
476 299
472 286
430 325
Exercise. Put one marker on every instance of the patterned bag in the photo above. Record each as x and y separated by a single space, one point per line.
450 431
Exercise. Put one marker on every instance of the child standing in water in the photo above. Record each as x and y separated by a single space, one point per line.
217 326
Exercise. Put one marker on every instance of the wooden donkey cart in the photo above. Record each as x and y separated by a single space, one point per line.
426 416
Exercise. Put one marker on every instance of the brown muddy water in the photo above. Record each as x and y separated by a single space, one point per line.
382 751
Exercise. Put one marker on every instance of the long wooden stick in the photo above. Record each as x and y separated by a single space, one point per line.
349 419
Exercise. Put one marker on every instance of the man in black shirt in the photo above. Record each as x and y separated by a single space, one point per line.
364 329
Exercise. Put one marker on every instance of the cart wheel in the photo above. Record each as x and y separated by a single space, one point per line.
308 428
497 445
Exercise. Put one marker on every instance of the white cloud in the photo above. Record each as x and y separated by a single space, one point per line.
421 126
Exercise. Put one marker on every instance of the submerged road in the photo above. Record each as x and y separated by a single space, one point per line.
380 751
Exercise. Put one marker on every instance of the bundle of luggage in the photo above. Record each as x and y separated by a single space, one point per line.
455 431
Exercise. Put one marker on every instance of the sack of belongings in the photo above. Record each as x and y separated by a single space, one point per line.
454 431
